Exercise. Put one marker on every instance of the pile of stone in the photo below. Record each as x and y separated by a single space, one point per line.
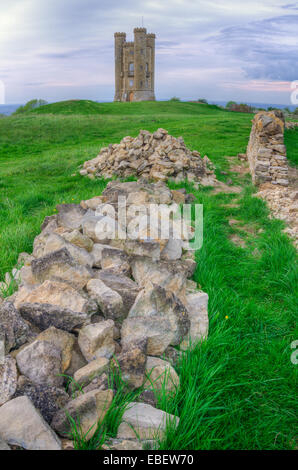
283 202
291 125
266 152
157 157
89 305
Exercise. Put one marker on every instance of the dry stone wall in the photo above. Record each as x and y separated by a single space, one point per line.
87 306
266 151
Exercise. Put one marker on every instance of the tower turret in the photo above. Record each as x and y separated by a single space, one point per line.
120 39
134 66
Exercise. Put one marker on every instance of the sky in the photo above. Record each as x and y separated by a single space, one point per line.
245 51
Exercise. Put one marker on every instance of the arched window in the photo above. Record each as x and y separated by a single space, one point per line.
130 82
131 67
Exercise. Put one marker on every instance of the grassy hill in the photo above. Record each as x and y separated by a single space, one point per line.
237 390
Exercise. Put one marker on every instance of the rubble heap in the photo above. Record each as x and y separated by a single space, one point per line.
283 202
88 305
158 157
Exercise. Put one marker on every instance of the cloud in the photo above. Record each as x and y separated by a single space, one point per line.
64 49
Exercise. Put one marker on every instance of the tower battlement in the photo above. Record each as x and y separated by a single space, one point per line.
134 66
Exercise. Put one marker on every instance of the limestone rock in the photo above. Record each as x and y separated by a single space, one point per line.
70 215
4 446
158 315
197 306
40 361
115 260
96 340
8 379
126 287
171 275
13 329
145 422
124 444
131 363
97 254
87 410
91 371
77 238
109 301
46 315
77 360
59 265
55 293
62 340
160 375
80 255
22 425
47 399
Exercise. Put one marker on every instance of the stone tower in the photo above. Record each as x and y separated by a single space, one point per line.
134 66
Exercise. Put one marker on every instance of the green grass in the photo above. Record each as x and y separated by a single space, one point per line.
238 389
291 142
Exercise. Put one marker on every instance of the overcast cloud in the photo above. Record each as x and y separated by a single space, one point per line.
219 50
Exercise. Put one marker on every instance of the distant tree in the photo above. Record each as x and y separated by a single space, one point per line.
30 105
295 111
2 116
230 104
270 108
239 108
203 101
175 98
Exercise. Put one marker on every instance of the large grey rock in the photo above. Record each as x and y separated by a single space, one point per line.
62 340
109 301
126 287
87 410
45 315
77 360
115 260
80 255
77 238
4 446
97 254
97 340
8 379
160 375
131 363
59 265
13 329
22 425
47 399
158 315
90 371
197 307
145 422
40 361
70 215
56 293
171 275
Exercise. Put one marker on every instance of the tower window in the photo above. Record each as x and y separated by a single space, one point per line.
142 51
141 84
131 67
147 67
147 84
130 82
